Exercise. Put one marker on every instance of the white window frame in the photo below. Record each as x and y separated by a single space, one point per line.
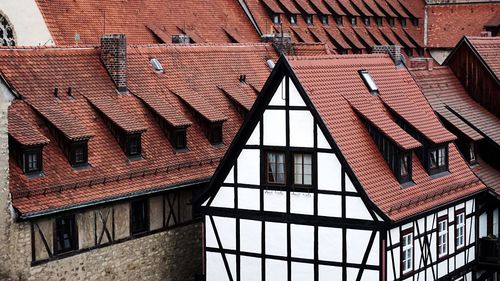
460 225
407 253
442 238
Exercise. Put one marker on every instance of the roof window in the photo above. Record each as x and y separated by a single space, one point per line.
156 65
372 87
309 19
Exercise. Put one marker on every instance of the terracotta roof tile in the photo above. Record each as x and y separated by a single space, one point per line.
273 6
334 5
346 4
339 79
304 5
337 37
318 4
289 6
361 7
488 174
21 125
494 21
489 50
396 6
351 36
385 8
364 34
242 94
374 8
310 49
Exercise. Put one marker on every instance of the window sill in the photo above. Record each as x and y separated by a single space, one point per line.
439 174
135 157
81 167
34 175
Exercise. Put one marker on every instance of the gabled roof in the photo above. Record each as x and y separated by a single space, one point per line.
488 49
146 22
355 143
111 175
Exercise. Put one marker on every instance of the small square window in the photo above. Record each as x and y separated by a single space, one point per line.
215 134
65 239
139 216
32 161
302 172
78 154
275 168
293 19
324 19
414 21
339 20
354 21
403 22
309 19
379 21
275 18
369 82
366 21
134 145
390 21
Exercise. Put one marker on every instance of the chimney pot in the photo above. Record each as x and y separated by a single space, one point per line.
114 58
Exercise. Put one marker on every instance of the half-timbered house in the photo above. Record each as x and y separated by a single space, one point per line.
341 171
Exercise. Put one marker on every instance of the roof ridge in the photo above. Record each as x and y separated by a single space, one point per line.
337 57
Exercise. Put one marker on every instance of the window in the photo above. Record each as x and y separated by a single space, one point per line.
390 21
366 20
309 19
353 21
356 51
215 134
414 21
6 32
32 161
379 21
179 140
78 154
65 239
339 20
365 75
139 216
324 19
403 22
460 229
472 153
438 160
156 65
442 242
275 18
407 251
302 172
293 19
409 52
404 166
133 145
275 170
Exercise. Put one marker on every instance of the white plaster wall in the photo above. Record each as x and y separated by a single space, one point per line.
29 26
302 271
329 205
275 201
250 236
276 242
357 243
279 96
250 269
275 127
249 166
322 142
276 270
230 176
327 272
248 198
254 139
302 241
330 244
301 203
224 198
295 98
356 208
329 172
301 128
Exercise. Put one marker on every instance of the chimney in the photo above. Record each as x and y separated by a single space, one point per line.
282 42
393 50
114 58
181 39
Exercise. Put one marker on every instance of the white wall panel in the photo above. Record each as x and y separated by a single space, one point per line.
276 270
483 225
470 235
430 274
302 241
275 201
349 187
370 275
226 227
431 222
279 96
224 198
249 166
250 269
374 256
357 242
329 273
294 96
211 241
356 208
471 254
352 273
394 236
469 206
276 241
248 198
442 268
495 222
302 271
330 244
274 127
389 269
254 138
302 203
451 264
250 236
329 172
216 271
451 239
329 205
301 128
230 176
322 142
451 214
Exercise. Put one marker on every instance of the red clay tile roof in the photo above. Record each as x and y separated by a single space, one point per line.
318 4
199 68
339 79
145 22
451 101
243 94
289 6
334 5
494 21
304 5
22 126
361 7
489 175
488 49
449 23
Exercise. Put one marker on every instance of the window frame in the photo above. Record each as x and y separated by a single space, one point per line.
379 21
339 21
441 154
309 19
73 154
390 21
73 236
472 153
146 225
307 185
216 133
179 139
402 21
266 166
275 18
439 234
38 151
353 20
403 234
460 212
293 19
324 19
415 21
367 21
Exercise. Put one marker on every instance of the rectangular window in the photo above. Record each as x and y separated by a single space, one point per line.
78 154
354 21
404 166
472 153
309 19
339 21
180 139
414 21
65 239
442 243
403 22
369 82
407 251
302 168
215 134
366 20
32 161
134 146
390 21
437 159
460 229
293 19
275 18
139 216
324 19
275 171
379 21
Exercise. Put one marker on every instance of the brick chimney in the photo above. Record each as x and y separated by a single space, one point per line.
114 58
282 42
393 50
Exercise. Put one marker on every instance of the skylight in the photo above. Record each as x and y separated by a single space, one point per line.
372 87
156 65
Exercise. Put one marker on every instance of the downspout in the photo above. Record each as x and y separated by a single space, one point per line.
243 4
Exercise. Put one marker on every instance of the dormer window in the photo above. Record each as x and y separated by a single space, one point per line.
403 22
32 160
354 20
293 19
179 139
339 21
309 19
369 82
78 153
472 153
390 21
379 21
414 21
133 145
366 21
404 167
437 159
275 18
324 19
215 134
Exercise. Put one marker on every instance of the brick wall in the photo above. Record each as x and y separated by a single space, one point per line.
114 58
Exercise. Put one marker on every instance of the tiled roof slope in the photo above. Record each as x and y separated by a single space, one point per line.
488 49
331 81
488 174
450 100
198 68
147 22
449 23
344 37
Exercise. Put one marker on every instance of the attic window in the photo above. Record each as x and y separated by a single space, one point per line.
379 21
366 20
414 21
472 153
370 84
293 19
403 22
78 153
309 19
390 21
6 32
32 162
179 139
133 145
156 65
215 134
324 19
275 18
353 20
437 160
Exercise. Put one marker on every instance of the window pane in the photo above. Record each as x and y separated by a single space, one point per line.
275 167
433 159
302 168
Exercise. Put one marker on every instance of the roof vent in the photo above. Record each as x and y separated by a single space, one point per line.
181 39
70 92
270 64
370 84
243 78
156 65
56 92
